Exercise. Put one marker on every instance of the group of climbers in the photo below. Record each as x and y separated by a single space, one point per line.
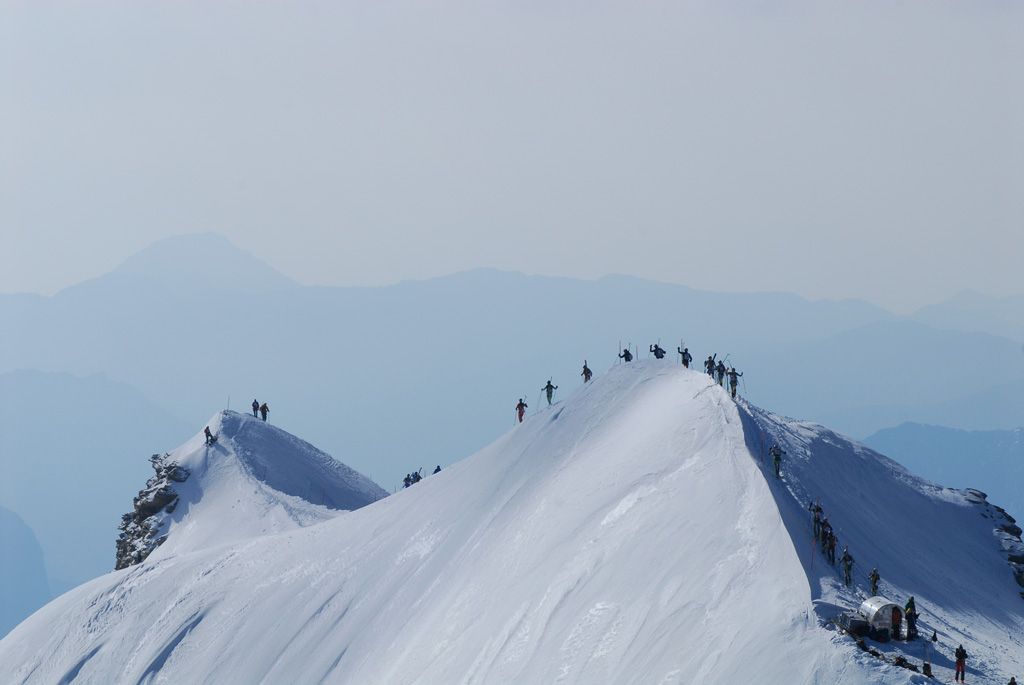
415 477
260 409
718 371
823 531
826 537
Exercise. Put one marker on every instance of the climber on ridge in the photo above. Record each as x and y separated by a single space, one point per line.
255 407
709 365
549 390
626 355
686 356
656 350
210 437
521 409
587 373
720 370
264 410
734 377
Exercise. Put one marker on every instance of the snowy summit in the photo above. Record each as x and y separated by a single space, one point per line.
635 533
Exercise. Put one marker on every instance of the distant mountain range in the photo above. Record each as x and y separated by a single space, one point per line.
990 461
23 586
390 379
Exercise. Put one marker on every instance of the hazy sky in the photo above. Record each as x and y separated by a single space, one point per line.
867 149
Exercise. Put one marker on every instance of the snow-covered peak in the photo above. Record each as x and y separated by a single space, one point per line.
634 533
255 479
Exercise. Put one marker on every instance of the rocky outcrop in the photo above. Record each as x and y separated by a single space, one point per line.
1006 530
143 528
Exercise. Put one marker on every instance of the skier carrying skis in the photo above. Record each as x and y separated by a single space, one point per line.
709 365
626 355
255 407
264 410
874 578
687 357
210 437
720 369
825 530
416 478
521 409
734 379
657 351
961 664
847 561
549 390
777 453
587 373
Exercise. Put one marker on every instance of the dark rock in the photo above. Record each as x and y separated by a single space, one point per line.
1012 529
142 529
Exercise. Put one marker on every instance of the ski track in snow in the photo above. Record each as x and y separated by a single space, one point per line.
631 533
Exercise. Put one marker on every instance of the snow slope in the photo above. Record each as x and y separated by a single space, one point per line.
628 535
942 546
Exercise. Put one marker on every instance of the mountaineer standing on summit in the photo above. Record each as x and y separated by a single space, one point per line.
264 410
255 407
656 350
687 357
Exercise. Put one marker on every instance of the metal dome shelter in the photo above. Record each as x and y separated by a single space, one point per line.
883 615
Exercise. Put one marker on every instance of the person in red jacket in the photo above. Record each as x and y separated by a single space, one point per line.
521 409
961 663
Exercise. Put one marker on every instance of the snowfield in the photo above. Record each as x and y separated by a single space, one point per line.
632 534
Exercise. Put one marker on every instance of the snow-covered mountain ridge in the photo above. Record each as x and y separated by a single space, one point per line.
632 534
256 479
